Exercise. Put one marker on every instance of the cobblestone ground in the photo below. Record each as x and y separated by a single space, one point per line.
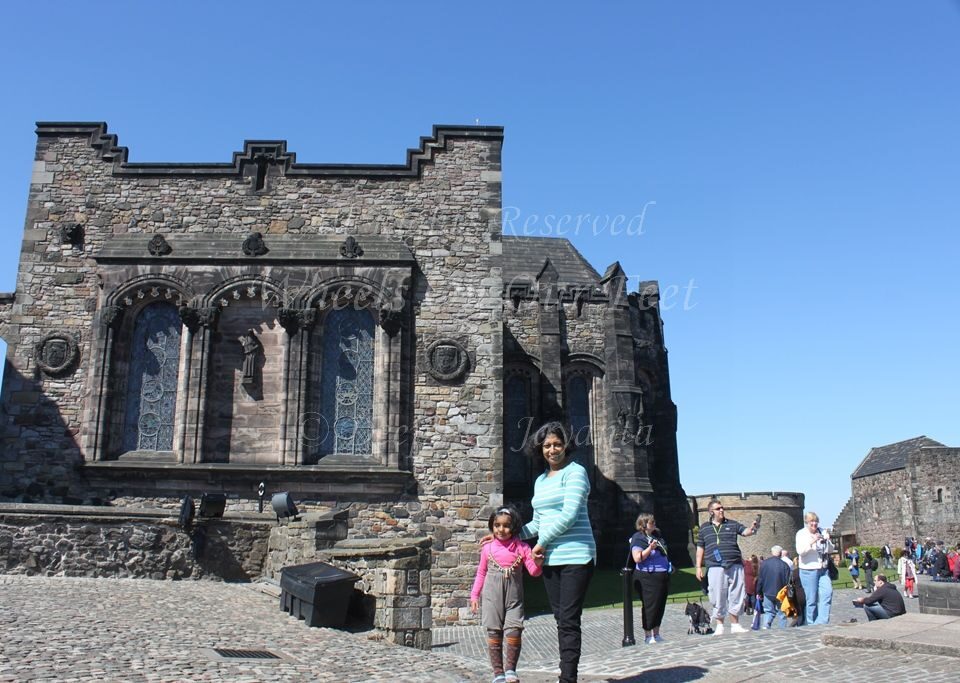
758 655
71 629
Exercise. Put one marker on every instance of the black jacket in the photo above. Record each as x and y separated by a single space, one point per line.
889 598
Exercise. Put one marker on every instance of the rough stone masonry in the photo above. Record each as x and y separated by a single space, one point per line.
361 336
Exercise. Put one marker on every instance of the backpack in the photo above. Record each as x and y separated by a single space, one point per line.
874 564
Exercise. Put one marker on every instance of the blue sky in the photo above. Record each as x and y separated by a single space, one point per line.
796 168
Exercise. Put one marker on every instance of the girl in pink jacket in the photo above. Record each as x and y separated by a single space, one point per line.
499 583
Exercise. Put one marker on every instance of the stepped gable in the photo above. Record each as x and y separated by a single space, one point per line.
845 522
891 457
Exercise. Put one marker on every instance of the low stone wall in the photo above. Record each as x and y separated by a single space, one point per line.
938 597
397 573
94 541
60 540
300 540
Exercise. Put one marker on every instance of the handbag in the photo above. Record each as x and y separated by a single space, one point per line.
832 570
757 612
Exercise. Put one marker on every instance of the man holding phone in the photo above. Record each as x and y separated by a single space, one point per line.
718 547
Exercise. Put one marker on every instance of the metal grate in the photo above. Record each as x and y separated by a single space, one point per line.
245 654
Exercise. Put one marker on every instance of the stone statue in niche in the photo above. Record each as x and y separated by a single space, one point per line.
251 354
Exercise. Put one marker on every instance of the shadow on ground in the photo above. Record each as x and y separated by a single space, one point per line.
669 674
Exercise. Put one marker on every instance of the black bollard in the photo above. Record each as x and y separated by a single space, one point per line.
627 574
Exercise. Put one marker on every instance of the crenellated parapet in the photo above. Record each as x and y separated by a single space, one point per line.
265 157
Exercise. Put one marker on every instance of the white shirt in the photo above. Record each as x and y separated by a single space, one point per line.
812 555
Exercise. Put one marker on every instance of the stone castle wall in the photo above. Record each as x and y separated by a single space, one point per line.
782 517
52 540
934 478
267 244
883 508
447 212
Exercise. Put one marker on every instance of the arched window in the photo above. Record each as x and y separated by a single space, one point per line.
152 380
516 424
578 406
579 399
939 495
346 383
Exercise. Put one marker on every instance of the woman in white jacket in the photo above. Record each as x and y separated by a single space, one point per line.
908 575
813 549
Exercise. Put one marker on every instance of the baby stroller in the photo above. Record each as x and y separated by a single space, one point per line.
699 619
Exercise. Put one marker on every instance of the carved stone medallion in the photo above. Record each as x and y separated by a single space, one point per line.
447 360
57 353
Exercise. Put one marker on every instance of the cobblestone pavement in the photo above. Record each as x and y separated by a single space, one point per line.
71 629
758 655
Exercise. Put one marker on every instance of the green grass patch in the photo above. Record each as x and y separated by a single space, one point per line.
606 589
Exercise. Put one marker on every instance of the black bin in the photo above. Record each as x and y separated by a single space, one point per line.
318 593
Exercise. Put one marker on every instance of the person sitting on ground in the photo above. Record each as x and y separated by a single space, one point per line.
884 602
941 566
774 574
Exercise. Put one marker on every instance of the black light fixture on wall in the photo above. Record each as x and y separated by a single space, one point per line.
212 505
283 505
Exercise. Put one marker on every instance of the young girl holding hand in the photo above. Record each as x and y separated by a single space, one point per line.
499 582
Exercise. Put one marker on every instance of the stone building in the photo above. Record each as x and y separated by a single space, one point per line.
907 488
782 517
362 336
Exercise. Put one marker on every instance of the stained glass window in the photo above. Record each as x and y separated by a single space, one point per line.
346 382
516 424
152 379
